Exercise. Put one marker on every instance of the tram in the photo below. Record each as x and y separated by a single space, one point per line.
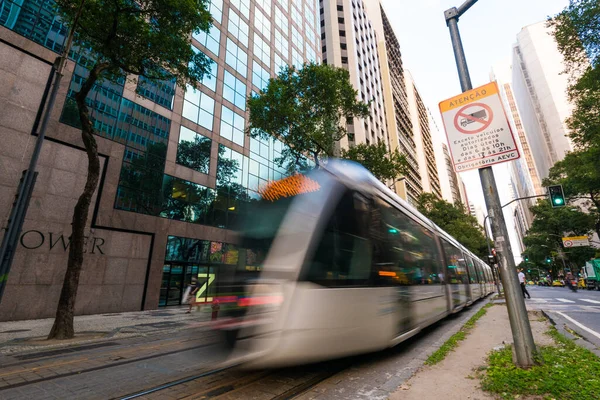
348 268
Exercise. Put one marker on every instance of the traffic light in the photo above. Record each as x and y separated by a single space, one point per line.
548 260
557 196
492 259
526 259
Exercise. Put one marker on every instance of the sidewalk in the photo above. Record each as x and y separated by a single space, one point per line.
454 378
19 336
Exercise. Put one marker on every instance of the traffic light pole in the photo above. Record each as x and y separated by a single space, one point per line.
515 301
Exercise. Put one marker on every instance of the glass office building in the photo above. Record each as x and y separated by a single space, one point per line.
185 164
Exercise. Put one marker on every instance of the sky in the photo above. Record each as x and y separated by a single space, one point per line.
488 31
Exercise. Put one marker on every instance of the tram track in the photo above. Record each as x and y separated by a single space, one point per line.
206 386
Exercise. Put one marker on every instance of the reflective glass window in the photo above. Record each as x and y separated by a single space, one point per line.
297 17
234 90
216 10
237 27
209 40
232 125
457 267
237 58
198 107
297 39
282 21
262 24
284 4
243 6
262 50
265 5
281 44
297 59
193 150
260 76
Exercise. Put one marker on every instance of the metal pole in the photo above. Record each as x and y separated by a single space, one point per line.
13 230
515 302
495 266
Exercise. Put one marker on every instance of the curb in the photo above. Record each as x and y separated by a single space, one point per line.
560 326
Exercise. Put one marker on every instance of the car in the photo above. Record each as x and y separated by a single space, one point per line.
530 283
558 283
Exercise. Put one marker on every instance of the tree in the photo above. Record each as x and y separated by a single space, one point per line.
383 165
455 221
544 237
303 108
146 38
579 174
576 33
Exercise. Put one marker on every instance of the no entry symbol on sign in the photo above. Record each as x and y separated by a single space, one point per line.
473 118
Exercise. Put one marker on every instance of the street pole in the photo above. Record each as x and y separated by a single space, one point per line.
515 302
17 217
495 266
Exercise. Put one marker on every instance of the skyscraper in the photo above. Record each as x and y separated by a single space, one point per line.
539 87
176 163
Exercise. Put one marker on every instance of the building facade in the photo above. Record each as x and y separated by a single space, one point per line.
539 88
177 166
455 195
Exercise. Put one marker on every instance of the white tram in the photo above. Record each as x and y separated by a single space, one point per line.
349 268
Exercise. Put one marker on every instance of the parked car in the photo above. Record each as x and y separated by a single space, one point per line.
558 283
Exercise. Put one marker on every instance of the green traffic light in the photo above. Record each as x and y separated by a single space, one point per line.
392 230
558 201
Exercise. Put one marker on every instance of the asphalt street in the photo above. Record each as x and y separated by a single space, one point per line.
579 310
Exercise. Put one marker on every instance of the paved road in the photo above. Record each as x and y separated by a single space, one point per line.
579 310
113 369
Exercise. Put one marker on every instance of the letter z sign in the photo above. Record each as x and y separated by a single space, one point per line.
477 128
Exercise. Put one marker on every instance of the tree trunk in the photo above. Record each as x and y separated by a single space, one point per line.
597 204
63 322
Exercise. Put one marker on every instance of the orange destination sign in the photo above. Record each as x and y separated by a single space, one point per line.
478 131
288 187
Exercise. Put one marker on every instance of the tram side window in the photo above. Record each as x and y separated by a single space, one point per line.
406 253
457 271
472 271
343 255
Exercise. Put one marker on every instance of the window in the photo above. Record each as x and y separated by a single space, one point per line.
260 76
193 150
238 28
236 58
340 20
343 46
232 126
406 252
343 255
243 6
198 107
160 92
297 39
297 59
262 24
262 50
472 272
297 17
279 63
265 5
216 10
457 268
234 90
311 55
284 4
210 79
281 44
310 17
344 60
281 20
210 40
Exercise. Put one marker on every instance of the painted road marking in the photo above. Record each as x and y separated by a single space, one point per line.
585 328
565 300
591 301
538 300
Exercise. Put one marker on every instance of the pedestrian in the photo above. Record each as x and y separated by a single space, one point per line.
193 288
215 308
522 281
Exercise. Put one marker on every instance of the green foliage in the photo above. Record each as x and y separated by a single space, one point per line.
455 339
549 225
145 38
376 158
455 220
303 108
565 372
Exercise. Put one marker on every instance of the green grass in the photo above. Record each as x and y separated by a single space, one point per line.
455 339
565 371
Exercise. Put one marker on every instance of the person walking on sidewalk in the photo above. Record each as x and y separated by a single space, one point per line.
522 281
194 287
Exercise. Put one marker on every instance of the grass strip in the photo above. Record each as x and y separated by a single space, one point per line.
455 339
565 371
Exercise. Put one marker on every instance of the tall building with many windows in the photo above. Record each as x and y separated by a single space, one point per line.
539 87
357 35
176 163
